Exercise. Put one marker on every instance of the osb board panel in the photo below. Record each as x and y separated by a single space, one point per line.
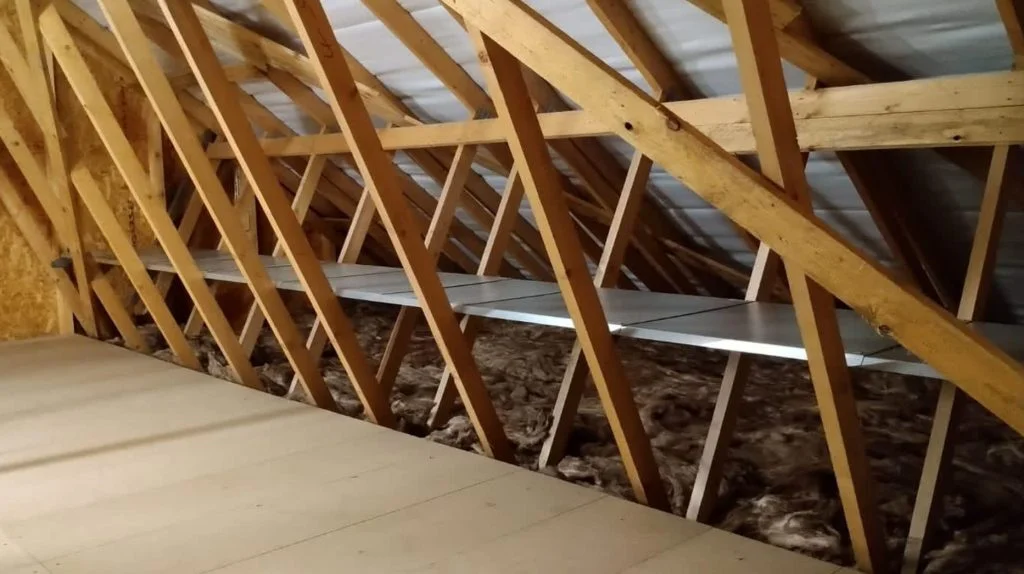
28 299
29 305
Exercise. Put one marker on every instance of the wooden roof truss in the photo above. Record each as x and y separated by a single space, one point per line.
601 218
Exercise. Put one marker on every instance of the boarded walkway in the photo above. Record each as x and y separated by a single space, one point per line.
113 462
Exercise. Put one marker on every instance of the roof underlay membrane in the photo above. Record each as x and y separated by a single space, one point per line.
888 39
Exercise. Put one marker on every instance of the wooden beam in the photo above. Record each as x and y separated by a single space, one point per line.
133 172
437 234
477 103
541 183
764 83
877 183
379 173
261 52
434 57
332 174
155 156
1011 12
972 362
124 157
480 203
255 319
796 48
977 285
119 315
620 21
238 74
221 95
608 269
954 111
627 30
497 242
134 268
358 230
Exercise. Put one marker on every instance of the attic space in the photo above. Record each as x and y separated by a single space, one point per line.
511 286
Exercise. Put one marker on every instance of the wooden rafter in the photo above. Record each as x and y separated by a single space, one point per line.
540 181
30 77
133 266
970 361
355 238
659 73
764 83
119 315
877 182
796 47
128 164
326 58
481 199
292 63
255 319
977 284
440 223
477 102
497 242
262 53
120 15
222 97
427 50
608 269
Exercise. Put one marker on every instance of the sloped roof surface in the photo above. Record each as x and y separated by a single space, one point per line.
888 39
